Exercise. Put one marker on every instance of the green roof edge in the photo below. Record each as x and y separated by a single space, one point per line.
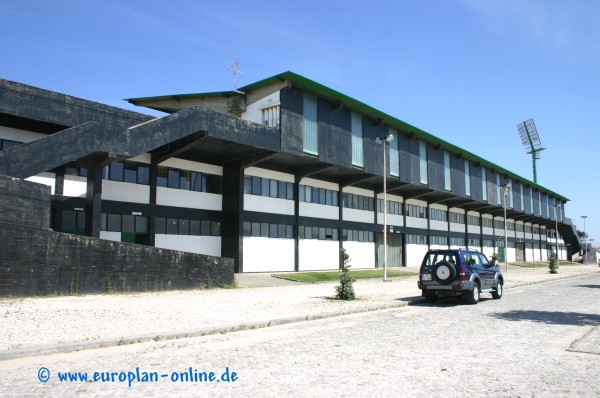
330 94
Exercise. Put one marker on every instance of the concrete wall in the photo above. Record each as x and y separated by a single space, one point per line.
36 261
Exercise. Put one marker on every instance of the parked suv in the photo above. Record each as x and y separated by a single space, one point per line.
461 272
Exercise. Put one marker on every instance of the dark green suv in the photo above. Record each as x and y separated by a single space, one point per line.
459 272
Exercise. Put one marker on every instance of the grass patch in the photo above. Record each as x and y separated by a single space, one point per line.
327 276
538 264
232 285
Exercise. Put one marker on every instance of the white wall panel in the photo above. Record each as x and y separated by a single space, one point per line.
189 199
362 254
318 255
209 245
125 192
265 204
268 255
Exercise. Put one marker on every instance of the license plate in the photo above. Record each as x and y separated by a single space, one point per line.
426 277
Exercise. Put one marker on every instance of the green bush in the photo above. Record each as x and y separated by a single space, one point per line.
553 266
346 290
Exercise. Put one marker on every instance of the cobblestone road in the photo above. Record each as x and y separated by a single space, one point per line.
525 345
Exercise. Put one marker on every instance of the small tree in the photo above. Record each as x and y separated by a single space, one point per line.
345 291
553 266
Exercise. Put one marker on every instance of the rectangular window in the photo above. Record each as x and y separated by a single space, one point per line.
447 173
116 171
510 196
498 189
467 178
484 183
130 173
143 175
394 154
311 125
162 178
160 225
423 162
357 141
522 198
173 179
172 224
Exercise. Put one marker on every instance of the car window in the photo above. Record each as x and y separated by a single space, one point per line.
434 258
471 259
484 260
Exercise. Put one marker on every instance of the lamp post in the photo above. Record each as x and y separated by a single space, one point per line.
383 141
556 232
505 187
584 240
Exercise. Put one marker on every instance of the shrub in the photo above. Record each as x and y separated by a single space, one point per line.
345 291
553 266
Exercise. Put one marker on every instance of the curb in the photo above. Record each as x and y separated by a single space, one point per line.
115 342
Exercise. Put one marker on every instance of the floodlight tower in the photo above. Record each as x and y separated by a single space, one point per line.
531 142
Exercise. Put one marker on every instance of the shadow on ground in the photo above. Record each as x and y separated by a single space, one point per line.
550 317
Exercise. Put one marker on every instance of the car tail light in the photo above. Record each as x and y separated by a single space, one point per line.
462 274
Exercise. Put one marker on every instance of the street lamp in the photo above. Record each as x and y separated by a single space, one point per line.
584 240
505 187
383 140
556 204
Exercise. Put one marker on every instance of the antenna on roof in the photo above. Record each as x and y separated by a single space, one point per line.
236 69
531 142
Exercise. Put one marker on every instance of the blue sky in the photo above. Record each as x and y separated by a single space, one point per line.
466 71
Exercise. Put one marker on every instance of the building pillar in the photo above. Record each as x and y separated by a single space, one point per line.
297 223
93 201
232 240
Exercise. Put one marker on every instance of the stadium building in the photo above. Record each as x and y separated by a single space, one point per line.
279 176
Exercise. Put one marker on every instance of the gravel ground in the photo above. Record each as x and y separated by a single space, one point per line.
31 326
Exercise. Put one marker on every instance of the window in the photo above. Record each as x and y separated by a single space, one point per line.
438 214
179 226
498 189
438 240
423 162
394 154
457 218
359 202
487 222
473 220
270 116
510 196
457 241
522 197
357 141
183 179
311 125
357 235
320 233
266 187
416 239
416 211
467 178
484 184
393 207
266 230
447 172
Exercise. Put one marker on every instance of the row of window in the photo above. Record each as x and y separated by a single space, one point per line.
261 186
184 226
393 207
438 214
416 211
268 230
320 196
359 202
188 180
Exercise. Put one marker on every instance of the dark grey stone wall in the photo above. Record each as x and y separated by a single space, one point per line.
36 261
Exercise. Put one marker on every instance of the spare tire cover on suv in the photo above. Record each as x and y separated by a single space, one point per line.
444 272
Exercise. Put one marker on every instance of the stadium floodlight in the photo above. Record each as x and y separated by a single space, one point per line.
531 142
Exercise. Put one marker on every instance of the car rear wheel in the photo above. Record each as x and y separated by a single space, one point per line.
473 295
444 272
497 294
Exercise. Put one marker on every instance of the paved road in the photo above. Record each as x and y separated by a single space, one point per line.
527 344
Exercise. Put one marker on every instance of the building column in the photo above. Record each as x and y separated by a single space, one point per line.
232 240
93 201
297 223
